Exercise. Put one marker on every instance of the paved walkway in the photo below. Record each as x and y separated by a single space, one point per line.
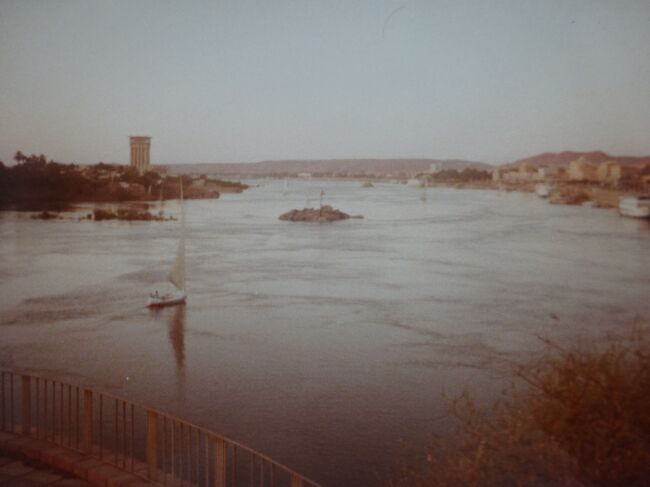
30 462
31 473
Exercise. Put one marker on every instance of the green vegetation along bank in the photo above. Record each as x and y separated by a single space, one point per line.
35 183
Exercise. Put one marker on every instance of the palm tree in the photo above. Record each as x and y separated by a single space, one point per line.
19 157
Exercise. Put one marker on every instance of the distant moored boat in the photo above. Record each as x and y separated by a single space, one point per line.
543 190
414 182
635 206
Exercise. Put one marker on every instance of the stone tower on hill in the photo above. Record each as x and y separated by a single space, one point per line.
140 146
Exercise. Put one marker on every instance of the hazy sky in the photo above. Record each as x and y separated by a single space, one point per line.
295 79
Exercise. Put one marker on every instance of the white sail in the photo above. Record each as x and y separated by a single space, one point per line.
177 273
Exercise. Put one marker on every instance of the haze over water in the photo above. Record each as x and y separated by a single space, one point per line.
322 346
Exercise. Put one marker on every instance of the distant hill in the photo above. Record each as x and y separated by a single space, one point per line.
396 167
564 158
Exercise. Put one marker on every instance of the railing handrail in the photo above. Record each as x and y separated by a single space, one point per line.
169 416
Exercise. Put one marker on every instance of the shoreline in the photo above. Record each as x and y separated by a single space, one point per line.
562 193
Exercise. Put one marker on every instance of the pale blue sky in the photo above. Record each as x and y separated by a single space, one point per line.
296 79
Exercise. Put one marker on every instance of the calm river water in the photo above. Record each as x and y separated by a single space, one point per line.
326 347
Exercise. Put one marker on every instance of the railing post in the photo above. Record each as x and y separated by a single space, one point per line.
26 409
296 481
152 453
220 463
88 421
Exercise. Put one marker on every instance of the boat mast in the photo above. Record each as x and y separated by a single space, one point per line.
183 229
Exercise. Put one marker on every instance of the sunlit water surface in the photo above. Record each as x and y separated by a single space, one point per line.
325 346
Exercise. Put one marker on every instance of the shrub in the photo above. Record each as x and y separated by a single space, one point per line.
583 419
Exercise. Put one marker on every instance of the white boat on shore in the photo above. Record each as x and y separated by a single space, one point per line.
635 206
176 294
543 190
415 183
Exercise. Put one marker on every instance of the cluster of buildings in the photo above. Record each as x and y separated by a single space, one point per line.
607 173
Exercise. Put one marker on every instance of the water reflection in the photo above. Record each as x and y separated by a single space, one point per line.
636 224
176 333
177 336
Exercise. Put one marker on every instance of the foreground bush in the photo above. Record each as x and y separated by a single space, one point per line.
582 420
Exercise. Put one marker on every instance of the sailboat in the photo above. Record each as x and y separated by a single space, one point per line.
176 276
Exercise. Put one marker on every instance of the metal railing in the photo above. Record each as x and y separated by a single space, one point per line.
144 441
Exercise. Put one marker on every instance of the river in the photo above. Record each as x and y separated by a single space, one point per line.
325 346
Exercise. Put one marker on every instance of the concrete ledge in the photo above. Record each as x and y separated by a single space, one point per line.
85 467
4 437
61 458
123 481
29 447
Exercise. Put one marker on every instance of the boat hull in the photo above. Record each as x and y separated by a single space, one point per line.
635 207
168 300
635 212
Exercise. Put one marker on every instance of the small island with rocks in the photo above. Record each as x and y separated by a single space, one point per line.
128 215
324 214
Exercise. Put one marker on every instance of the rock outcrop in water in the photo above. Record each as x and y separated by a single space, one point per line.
127 215
45 215
324 214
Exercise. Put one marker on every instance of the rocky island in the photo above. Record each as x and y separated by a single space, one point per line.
324 214
127 215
